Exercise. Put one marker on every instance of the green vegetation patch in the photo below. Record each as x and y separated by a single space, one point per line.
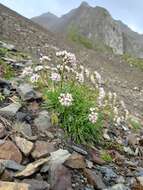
133 61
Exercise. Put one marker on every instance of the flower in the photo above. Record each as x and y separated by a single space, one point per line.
44 58
55 77
80 77
39 68
67 57
92 79
92 109
34 78
93 116
65 99
98 77
27 71
87 73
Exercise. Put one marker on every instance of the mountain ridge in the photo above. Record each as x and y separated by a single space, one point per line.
97 24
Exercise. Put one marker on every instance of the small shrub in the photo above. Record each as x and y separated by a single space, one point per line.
75 98
6 71
74 119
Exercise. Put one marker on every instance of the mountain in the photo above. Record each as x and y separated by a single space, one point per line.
42 19
97 25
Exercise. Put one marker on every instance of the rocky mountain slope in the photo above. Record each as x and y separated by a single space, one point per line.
97 25
36 153
24 33
42 19
31 38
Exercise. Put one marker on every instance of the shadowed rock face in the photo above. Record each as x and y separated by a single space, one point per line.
96 24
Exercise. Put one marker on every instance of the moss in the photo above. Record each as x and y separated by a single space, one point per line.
134 124
133 61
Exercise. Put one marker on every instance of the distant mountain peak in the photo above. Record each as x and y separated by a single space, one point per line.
84 4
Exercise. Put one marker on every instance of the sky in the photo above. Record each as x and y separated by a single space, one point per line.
128 11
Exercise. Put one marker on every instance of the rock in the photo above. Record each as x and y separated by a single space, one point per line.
10 164
13 186
59 157
6 92
79 150
24 117
89 164
23 128
26 92
10 110
129 151
132 140
6 176
4 83
118 187
96 159
9 151
2 168
3 131
42 149
24 145
60 178
94 179
34 107
37 185
108 173
140 181
43 122
75 161
31 168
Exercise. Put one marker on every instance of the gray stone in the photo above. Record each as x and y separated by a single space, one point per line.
24 145
108 173
23 128
31 168
2 168
26 92
3 131
10 164
11 109
36 184
42 122
42 149
118 187
79 150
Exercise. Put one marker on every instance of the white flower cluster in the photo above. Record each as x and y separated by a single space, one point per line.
80 77
68 58
98 77
65 99
44 58
101 96
27 71
93 116
55 77
34 78
38 68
